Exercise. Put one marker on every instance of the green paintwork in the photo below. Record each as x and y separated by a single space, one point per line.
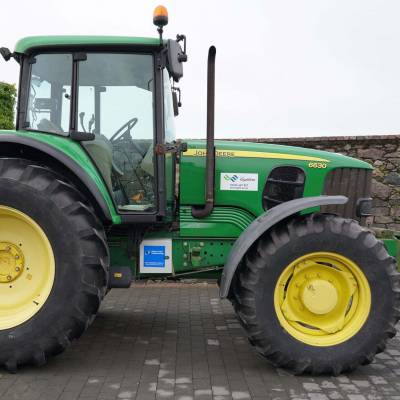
31 42
391 240
75 151
393 248
190 255
192 172
228 222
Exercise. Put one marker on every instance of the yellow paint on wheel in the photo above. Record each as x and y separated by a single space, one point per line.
322 299
27 267
319 296
11 262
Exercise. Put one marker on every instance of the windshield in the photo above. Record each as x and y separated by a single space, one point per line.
169 117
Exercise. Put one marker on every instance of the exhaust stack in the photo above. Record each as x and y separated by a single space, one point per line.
206 209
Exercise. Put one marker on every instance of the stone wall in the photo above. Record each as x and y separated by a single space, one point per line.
383 152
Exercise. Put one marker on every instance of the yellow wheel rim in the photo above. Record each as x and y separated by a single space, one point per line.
27 267
322 299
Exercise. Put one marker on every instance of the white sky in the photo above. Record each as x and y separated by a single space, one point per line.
284 68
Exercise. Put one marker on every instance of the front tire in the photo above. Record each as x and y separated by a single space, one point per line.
61 275
318 294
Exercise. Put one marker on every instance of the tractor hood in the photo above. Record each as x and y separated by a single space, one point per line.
242 169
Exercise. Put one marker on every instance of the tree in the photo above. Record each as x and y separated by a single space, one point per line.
8 94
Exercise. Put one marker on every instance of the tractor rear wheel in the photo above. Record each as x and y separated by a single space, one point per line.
53 263
318 294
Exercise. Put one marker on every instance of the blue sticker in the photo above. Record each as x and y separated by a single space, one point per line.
154 256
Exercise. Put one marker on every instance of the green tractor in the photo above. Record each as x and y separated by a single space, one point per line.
95 191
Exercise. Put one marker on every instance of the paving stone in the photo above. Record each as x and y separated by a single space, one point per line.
157 342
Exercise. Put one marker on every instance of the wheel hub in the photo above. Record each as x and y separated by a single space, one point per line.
322 298
319 296
11 262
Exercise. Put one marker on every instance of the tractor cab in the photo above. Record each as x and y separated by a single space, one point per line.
113 108
115 97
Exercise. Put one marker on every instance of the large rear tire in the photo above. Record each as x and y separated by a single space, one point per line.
53 264
318 294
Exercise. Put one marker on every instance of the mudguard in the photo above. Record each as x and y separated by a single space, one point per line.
261 225
77 170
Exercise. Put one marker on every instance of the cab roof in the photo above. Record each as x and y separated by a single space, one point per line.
33 42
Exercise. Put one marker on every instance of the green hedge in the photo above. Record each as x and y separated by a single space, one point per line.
8 93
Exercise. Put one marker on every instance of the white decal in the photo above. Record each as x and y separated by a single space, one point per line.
237 181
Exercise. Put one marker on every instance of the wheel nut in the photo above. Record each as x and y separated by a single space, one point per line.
17 269
9 277
16 256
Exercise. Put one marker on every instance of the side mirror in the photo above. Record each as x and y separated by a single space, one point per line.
6 53
175 57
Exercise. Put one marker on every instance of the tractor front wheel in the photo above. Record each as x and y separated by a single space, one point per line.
53 264
318 294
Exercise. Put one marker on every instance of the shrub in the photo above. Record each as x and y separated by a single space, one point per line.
8 94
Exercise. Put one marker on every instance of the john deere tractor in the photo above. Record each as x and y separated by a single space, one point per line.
95 192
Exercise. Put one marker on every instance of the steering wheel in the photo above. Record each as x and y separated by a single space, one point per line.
125 131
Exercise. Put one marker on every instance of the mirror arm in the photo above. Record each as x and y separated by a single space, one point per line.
182 57
7 55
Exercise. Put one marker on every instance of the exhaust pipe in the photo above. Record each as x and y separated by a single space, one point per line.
206 209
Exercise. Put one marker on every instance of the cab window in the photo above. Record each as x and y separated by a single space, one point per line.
49 93
115 102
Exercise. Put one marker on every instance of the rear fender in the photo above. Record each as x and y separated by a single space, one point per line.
45 154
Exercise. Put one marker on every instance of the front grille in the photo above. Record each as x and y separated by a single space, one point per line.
354 183
283 184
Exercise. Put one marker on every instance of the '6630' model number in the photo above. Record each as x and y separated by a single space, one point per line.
313 164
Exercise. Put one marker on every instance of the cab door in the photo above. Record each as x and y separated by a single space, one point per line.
116 102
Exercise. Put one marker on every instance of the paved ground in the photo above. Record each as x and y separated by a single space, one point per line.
182 342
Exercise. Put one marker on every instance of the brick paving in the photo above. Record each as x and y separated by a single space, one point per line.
179 341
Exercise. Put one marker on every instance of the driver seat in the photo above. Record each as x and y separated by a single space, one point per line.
100 150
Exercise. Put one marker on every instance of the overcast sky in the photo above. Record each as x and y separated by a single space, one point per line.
284 68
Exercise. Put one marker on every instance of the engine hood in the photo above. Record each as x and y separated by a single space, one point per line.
242 170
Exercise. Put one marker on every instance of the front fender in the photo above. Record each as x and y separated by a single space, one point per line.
261 225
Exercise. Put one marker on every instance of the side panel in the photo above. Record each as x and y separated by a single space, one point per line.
227 222
57 147
191 255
